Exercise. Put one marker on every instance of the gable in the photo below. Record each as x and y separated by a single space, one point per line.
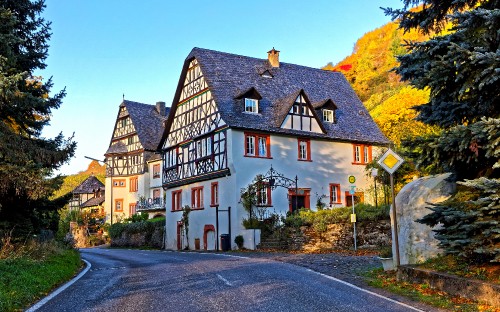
301 116
125 131
195 112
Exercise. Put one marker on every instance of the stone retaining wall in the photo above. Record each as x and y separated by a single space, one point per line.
338 236
454 285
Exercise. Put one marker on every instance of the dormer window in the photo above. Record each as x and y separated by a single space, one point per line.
251 105
329 115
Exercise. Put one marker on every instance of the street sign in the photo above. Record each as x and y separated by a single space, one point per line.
353 217
352 190
352 179
390 161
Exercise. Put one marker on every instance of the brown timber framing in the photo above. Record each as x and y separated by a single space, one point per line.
195 146
127 164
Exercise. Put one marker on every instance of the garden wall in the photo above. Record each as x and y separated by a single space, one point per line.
340 236
138 234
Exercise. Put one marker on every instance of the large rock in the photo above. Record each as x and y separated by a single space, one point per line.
416 240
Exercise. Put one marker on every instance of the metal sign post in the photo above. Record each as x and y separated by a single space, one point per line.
391 161
352 190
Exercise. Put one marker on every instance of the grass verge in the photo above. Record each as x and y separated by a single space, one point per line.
24 279
423 293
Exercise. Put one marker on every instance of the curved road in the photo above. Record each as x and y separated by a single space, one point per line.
138 280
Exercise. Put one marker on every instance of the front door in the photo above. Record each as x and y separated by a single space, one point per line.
180 229
297 202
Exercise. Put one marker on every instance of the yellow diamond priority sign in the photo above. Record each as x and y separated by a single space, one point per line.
390 161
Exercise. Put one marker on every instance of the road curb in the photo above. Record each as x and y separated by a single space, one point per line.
56 292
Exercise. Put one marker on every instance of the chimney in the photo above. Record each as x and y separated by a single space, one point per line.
160 108
273 57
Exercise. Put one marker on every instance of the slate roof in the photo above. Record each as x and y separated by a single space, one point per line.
228 75
148 124
96 201
89 185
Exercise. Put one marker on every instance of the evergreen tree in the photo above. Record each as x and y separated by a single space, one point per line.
460 68
27 159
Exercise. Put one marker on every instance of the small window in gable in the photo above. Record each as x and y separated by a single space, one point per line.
329 115
251 105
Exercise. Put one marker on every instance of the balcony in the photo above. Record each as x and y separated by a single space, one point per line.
147 204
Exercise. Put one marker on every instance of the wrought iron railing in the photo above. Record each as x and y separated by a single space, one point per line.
150 204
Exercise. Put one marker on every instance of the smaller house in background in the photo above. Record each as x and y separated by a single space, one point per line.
88 196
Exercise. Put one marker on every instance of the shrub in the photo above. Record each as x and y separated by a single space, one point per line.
251 223
238 240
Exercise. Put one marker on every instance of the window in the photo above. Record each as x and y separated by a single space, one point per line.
156 171
335 194
362 154
304 149
176 200
119 183
197 197
134 184
251 106
214 194
257 145
156 193
328 115
132 209
118 204
204 147
263 194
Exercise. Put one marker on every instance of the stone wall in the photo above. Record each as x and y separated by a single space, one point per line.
340 236
152 237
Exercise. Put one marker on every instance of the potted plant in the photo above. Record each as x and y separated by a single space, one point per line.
385 257
238 240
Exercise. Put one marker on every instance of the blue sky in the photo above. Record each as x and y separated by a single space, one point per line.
101 49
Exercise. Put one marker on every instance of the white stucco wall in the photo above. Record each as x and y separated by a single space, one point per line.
331 162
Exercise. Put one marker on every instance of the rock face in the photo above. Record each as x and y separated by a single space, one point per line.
416 241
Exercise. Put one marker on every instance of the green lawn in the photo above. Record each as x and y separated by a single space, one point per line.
24 280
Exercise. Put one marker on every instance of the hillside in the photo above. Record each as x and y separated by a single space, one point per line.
72 181
388 100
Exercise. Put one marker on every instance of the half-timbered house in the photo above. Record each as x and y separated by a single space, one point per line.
88 195
131 182
235 117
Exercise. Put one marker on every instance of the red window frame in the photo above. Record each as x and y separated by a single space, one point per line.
214 194
177 200
197 197
156 171
256 136
339 200
119 183
132 208
308 149
118 201
134 184
362 160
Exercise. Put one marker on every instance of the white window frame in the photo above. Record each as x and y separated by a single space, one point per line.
328 115
250 145
303 150
262 146
251 106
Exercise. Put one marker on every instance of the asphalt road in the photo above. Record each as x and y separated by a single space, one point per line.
138 280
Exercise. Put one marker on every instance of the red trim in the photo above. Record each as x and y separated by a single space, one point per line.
306 195
198 190
133 184
214 186
206 229
119 180
120 200
361 154
179 236
176 200
348 197
308 149
256 144
339 200
131 209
